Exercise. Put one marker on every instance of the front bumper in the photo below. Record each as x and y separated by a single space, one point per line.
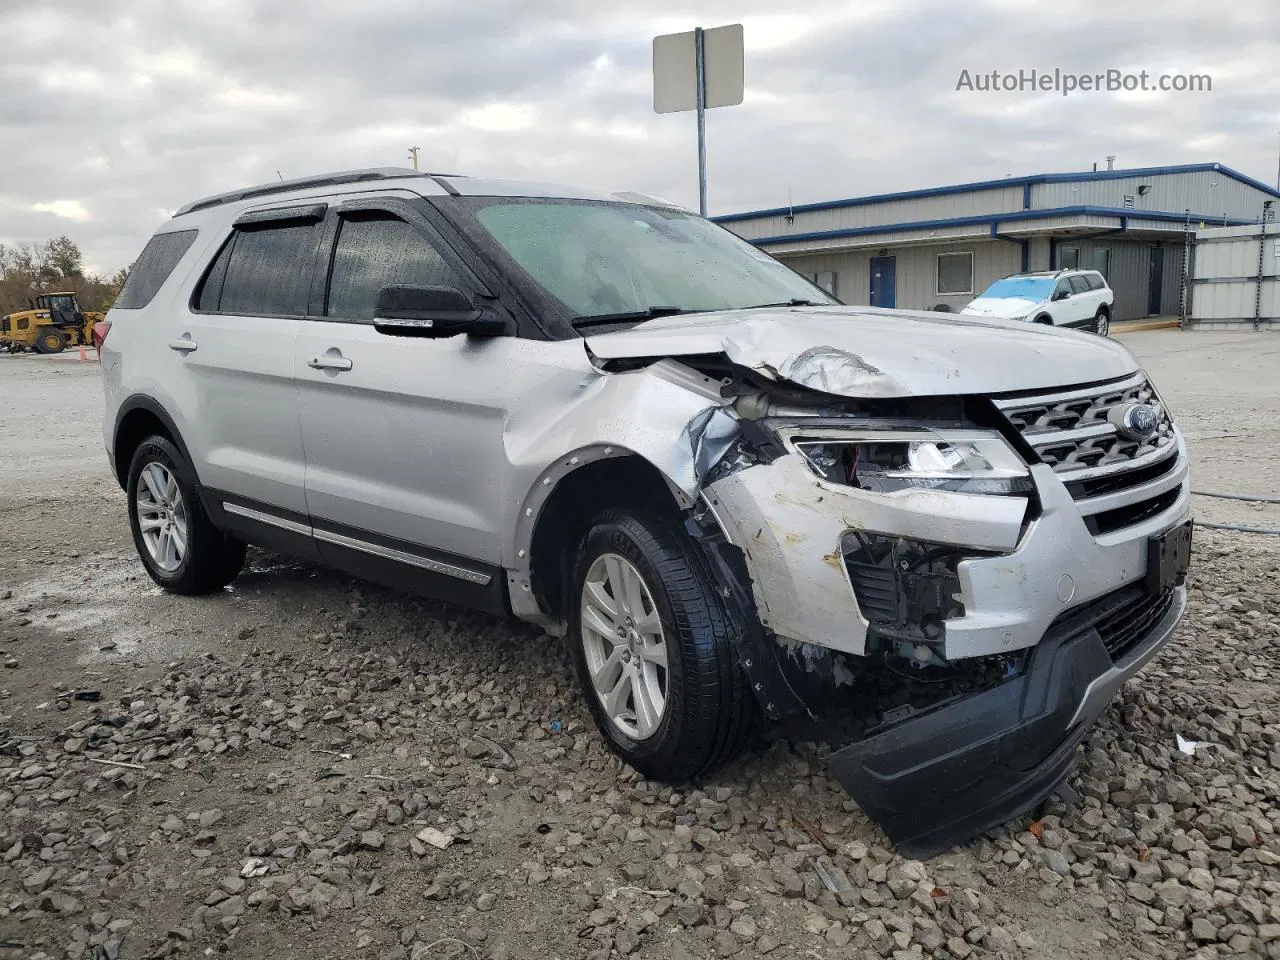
943 776
790 525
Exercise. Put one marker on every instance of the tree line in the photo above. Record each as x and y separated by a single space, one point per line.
30 269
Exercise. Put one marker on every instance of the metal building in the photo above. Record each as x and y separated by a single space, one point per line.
942 246
1235 280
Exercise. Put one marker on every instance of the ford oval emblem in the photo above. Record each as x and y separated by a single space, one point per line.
1139 421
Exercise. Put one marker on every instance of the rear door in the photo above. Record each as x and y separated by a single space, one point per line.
235 348
1084 301
403 435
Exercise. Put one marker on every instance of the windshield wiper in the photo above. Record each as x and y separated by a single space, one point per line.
788 303
649 313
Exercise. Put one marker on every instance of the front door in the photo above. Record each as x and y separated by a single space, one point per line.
403 435
1157 281
883 282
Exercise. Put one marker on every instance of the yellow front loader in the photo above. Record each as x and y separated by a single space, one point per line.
54 322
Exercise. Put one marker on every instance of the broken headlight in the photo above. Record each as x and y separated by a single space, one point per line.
961 461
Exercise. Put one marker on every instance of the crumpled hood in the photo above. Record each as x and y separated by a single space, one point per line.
870 352
1000 307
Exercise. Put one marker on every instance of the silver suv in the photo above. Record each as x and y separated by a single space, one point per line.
737 498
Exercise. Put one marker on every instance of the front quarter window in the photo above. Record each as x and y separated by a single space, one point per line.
599 259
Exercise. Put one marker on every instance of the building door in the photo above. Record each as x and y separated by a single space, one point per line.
1157 281
883 286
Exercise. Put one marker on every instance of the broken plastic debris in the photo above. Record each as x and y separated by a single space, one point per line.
500 756
832 876
435 838
1189 747
254 867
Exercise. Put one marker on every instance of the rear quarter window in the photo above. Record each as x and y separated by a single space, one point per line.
158 258
1096 282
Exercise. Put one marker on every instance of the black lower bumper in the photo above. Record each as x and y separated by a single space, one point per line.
944 776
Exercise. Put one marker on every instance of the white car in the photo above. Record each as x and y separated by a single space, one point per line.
1063 298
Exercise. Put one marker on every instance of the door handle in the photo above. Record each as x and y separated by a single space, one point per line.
328 362
183 345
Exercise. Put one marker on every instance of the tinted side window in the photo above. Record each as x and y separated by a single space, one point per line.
1062 286
1095 281
158 258
1079 285
268 270
373 251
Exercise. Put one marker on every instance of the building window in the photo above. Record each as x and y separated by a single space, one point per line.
1069 258
1102 262
955 273
826 279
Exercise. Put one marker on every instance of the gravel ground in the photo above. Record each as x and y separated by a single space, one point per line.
306 765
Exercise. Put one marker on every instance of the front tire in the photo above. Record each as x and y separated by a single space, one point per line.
51 341
653 646
1102 322
179 545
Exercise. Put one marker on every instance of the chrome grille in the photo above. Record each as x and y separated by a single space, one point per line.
1072 431
1115 480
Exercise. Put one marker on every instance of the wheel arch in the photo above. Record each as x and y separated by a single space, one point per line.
138 418
555 512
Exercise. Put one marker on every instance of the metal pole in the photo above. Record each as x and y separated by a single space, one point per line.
413 155
1186 267
1278 174
700 67
1262 245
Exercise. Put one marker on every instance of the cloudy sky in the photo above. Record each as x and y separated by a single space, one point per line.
115 112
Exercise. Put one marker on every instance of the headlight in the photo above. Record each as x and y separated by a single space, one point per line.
962 461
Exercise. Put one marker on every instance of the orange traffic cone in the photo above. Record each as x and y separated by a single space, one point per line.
82 356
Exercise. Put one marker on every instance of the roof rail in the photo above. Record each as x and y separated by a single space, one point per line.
302 183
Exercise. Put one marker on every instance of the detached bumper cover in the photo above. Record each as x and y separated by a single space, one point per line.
944 776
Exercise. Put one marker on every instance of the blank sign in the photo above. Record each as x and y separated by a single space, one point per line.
675 77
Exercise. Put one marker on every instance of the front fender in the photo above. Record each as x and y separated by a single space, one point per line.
666 414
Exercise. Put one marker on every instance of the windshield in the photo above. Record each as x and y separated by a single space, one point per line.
605 259
1034 289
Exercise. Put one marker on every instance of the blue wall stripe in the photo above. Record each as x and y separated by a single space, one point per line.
1122 213
1025 182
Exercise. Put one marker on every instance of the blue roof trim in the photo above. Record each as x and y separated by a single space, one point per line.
1124 214
1025 182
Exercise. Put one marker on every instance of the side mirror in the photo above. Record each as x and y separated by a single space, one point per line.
417 310
1062 294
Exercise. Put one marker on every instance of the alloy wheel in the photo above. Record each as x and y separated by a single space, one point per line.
162 516
625 648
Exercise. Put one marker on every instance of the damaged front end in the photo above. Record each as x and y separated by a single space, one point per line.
916 589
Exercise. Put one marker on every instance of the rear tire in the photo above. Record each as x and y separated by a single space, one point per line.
179 545
51 341
708 710
1102 322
